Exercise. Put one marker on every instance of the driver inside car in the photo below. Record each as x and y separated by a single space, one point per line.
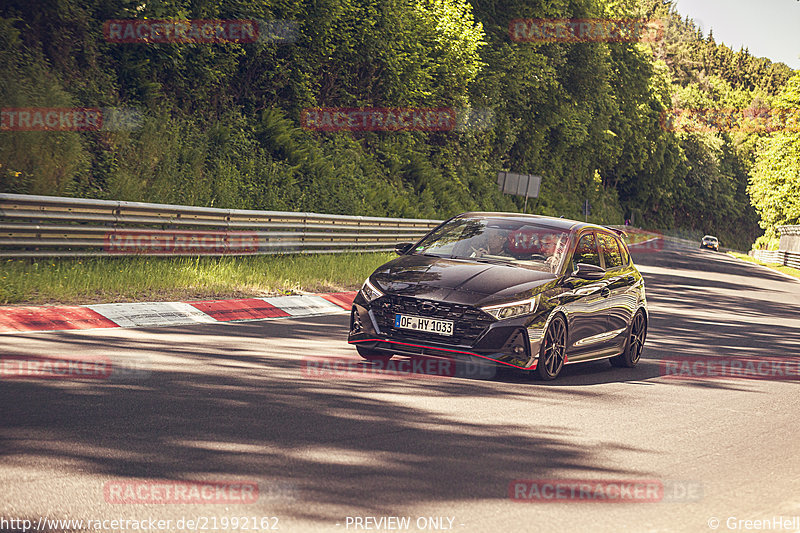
493 243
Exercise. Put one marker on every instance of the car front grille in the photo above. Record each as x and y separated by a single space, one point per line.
469 323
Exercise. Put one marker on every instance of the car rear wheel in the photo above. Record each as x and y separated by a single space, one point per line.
373 355
634 344
553 350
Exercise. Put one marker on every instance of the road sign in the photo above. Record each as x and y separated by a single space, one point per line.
526 185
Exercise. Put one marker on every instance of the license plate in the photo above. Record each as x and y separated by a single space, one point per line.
429 325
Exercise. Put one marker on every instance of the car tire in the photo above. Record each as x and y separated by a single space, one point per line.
553 350
373 355
637 333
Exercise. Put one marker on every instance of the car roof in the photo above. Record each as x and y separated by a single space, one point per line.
708 236
565 224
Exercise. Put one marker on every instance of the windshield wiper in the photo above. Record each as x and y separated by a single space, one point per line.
490 260
428 255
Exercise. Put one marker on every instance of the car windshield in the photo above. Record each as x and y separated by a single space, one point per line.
498 240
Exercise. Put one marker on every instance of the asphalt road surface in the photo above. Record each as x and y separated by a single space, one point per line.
237 404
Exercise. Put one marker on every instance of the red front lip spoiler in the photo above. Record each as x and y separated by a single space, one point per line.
447 350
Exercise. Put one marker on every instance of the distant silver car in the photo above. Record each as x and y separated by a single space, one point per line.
710 242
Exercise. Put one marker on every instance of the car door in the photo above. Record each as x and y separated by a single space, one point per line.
620 279
586 304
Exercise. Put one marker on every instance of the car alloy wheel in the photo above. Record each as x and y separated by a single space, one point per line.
553 350
634 344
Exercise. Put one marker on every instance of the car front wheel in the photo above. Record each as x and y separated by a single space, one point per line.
553 350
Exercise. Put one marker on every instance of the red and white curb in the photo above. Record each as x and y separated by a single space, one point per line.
158 314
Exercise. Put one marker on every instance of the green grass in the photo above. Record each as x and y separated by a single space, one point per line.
775 266
128 279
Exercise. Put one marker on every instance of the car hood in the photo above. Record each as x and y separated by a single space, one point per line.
461 281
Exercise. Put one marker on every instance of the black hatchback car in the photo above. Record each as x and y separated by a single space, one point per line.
525 291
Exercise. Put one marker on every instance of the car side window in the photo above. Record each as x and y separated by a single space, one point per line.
586 251
626 257
610 249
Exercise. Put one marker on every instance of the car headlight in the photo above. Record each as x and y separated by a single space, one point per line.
369 291
512 309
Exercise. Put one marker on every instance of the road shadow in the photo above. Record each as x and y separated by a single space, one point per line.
232 401
207 411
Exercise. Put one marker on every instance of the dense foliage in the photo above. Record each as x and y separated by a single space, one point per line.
221 122
775 181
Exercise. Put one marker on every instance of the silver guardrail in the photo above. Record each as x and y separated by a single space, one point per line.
788 252
51 226
664 241
779 257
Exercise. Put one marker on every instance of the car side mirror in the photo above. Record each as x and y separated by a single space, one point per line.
587 271
403 248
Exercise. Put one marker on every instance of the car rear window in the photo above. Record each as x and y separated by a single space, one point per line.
626 257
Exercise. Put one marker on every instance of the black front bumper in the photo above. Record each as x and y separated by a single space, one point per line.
476 334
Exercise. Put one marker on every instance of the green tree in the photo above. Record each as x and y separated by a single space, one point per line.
775 178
